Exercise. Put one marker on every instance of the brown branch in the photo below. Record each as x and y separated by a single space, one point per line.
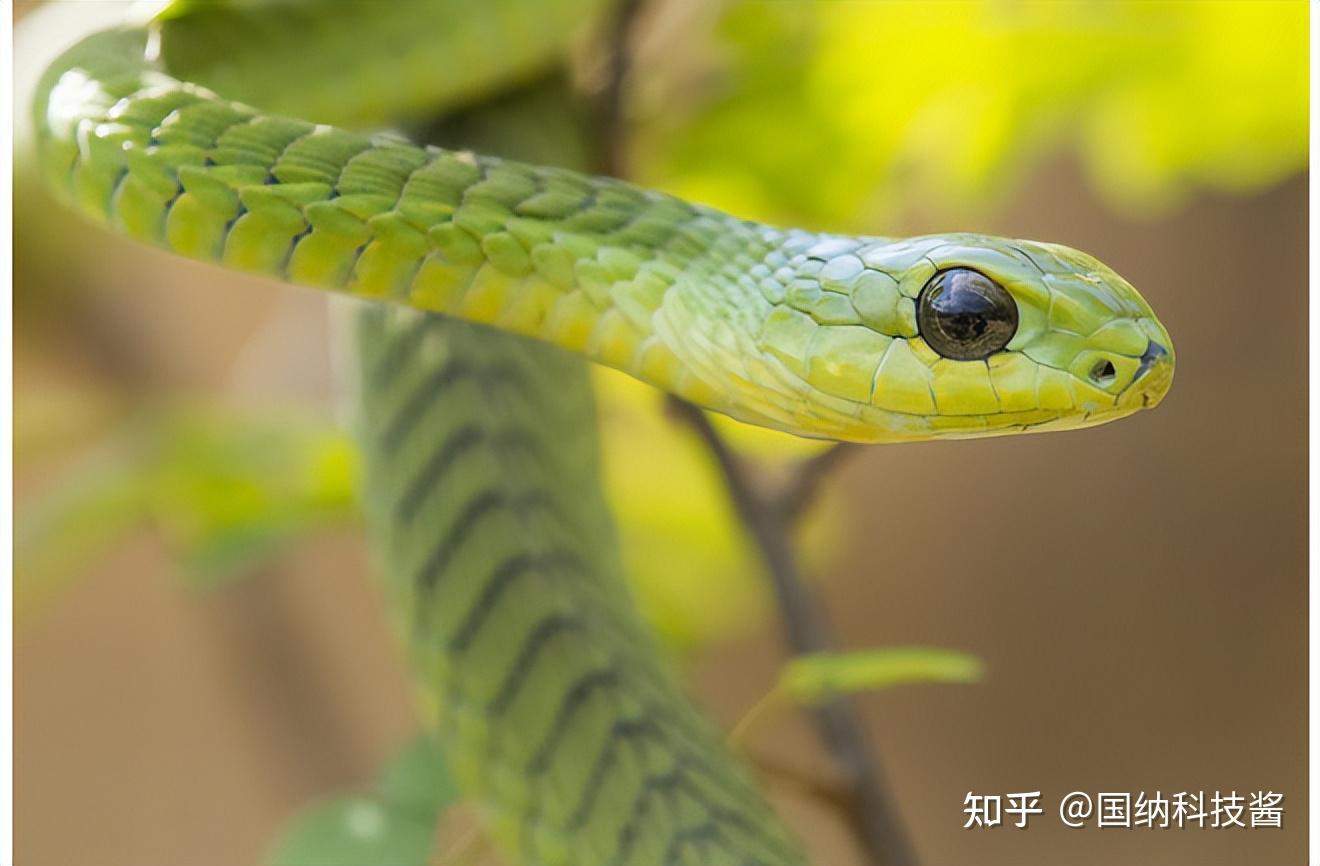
800 491
832 791
610 122
769 521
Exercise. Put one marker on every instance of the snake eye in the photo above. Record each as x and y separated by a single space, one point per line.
964 315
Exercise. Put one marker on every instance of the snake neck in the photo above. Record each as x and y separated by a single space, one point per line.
681 296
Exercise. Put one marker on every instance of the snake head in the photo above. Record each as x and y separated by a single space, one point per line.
967 335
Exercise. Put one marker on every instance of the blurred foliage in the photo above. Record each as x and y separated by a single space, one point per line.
393 824
225 491
229 490
846 114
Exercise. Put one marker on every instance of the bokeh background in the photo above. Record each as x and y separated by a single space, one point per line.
199 647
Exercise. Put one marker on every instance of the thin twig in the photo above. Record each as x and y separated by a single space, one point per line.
801 489
830 791
839 726
610 118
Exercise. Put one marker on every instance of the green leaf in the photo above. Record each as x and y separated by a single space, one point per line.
418 778
354 830
817 677
393 826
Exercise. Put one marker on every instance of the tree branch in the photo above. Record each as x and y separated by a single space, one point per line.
802 487
610 117
769 521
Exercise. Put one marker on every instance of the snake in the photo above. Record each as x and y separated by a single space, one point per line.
480 286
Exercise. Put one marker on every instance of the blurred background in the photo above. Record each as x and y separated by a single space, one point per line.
199 646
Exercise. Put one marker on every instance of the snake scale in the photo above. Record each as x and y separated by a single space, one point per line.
561 716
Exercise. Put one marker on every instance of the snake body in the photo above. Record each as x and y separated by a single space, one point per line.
559 713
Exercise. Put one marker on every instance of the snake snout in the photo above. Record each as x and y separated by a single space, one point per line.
1153 355
1153 377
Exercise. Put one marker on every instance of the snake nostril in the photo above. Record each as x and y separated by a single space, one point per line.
1102 373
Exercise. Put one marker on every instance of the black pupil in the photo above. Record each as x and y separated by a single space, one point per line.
964 315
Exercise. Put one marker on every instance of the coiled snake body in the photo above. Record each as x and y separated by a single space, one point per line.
559 713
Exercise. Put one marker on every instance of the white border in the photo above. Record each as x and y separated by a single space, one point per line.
1313 474
7 100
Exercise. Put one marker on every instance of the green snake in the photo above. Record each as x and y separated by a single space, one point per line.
562 718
